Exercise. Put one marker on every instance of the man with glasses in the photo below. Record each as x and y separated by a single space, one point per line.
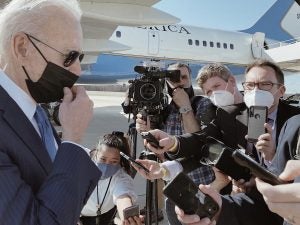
43 180
264 85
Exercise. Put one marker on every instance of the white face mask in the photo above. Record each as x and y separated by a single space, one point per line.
258 97
222 98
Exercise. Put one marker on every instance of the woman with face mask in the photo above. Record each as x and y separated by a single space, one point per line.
115 187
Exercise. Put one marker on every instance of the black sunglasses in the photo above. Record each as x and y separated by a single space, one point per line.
70 58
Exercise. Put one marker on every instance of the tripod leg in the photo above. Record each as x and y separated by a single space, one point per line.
133 133
149 194
155 202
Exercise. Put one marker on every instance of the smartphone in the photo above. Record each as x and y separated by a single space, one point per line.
131 211
139 165
256 120
150 139
256 169
220 156
187 196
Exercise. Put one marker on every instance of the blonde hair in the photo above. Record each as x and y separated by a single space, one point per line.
212 70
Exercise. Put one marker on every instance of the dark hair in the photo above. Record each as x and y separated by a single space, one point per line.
263 63
115 140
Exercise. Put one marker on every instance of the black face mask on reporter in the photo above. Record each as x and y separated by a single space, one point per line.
49 88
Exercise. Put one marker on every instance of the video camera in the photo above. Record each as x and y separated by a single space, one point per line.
148 92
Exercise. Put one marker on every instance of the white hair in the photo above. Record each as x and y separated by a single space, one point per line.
30 16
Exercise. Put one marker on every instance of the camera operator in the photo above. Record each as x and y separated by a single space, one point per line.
179 118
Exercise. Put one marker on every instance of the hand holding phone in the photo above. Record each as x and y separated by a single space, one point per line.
131 211
187 196
150 139
256 169
257 119
139 165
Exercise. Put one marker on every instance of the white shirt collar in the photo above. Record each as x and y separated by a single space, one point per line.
23 100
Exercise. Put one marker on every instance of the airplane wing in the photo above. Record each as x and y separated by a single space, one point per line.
101 18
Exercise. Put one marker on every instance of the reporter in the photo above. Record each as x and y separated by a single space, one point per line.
115 188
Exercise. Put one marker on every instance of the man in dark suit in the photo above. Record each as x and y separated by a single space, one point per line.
42 180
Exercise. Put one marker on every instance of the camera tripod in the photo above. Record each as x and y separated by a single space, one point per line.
151 186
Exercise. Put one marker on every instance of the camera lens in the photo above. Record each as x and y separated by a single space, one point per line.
148 91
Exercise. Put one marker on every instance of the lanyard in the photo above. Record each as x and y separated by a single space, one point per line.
100 206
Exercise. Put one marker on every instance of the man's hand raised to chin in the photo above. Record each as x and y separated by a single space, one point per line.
75 113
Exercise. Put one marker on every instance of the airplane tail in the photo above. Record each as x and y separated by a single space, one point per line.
281 22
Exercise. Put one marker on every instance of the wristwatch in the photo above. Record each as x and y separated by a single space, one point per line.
185 109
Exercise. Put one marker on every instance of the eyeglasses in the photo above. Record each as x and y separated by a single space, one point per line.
265 86
70 58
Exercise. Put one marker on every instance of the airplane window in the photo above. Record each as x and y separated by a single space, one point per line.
118 33
225 45
197 42
190 41
218 45
231 46
204 43
211 44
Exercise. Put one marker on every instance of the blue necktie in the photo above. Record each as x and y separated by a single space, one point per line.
45 131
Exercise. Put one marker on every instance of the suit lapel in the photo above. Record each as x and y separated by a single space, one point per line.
23 128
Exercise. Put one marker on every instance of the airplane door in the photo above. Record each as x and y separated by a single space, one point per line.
153 42
257 45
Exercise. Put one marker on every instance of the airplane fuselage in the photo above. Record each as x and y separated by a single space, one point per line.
187 43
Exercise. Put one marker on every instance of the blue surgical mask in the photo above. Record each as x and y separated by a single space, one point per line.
108 170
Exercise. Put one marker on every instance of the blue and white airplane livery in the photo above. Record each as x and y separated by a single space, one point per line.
134 28
194 44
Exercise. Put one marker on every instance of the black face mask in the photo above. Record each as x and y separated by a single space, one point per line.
50 87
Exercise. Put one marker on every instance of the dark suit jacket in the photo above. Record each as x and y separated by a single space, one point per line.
230 127
288 144
33 189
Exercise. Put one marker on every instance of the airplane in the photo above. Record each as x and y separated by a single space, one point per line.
194 44
131 28
200 45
